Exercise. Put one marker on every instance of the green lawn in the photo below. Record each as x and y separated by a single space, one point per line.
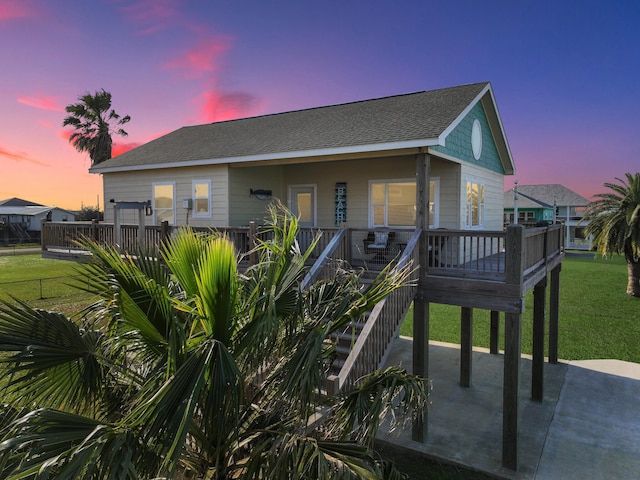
43 283
597 318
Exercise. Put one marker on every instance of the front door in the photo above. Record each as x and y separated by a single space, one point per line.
303 204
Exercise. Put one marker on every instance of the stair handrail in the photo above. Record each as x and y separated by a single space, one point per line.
360 359
314 272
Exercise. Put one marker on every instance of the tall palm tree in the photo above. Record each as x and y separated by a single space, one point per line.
614 221
187 368
90 117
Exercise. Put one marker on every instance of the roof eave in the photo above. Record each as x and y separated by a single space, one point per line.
321 152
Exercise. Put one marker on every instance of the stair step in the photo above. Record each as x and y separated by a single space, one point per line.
342 350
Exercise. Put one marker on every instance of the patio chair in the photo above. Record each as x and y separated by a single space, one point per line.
379 242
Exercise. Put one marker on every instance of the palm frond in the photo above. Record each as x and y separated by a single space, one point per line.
49 359
48 443
388 393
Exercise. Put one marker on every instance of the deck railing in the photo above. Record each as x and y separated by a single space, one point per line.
328 262
452 253
481 254
59 238
372 345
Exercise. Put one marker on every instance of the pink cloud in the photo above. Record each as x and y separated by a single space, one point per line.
117 147
152 15
120 148
41 101
45 124
200 60
218 106
12 9
20 157
65 134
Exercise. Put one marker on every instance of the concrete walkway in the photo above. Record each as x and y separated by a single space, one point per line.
586 427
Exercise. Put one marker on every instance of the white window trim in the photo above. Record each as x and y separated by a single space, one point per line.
195 214
436 201
467 219
153 197
386 200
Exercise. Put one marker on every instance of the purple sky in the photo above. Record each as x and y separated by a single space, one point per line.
566 74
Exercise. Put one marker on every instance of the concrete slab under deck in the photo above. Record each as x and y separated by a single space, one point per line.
587 426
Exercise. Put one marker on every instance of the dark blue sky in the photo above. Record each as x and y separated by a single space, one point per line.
565 74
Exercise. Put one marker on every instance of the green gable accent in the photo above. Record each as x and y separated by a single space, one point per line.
458 142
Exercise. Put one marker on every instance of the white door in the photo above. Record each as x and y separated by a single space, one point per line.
303 204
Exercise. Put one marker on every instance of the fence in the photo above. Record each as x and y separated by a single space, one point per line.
39 288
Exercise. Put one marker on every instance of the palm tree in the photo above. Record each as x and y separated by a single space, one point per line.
614 221
90 117
187 368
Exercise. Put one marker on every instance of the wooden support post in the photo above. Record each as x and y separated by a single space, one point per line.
514 274
510 389
165 231
466 346
420 359
94 230
537 372
117 234
253 255
554 307
494 335
142 229
420 307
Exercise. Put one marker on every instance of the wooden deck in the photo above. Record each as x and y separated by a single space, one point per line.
470 269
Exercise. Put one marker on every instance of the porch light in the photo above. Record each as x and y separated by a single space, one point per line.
260 194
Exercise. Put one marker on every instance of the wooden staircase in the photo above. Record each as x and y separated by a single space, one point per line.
362 346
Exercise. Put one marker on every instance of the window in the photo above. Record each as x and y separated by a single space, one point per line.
526 217
163 196
475 204
201 198
393 204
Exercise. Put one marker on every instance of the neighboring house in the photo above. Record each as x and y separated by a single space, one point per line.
352 164
21 220
550 203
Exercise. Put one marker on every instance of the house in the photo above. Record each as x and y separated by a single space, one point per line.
350 164
414 178
21 220
551 203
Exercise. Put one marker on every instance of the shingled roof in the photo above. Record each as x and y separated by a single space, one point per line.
402 121
548 194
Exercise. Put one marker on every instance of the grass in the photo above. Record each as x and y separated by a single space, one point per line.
43 283
597 318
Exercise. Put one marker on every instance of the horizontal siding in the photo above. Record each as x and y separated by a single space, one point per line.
233 206
449 207
493 195
137 187
356 173
244 208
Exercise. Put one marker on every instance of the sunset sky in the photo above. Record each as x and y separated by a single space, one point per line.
566 74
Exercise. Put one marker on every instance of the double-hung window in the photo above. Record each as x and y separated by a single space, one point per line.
201 198
163 202
393 203
475 204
